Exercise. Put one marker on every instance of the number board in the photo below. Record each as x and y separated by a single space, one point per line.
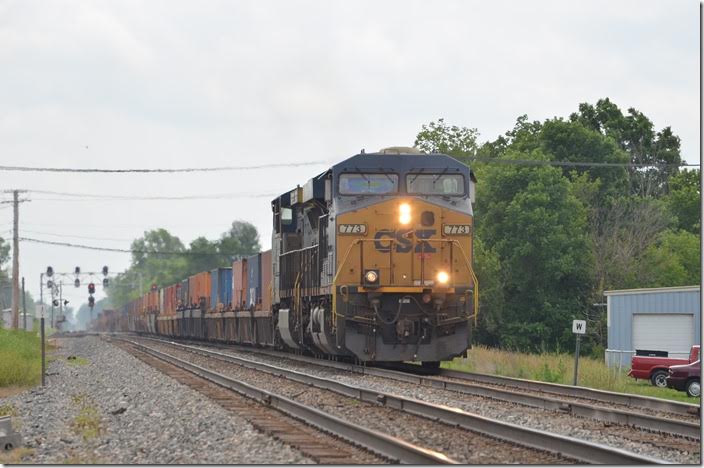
456 229
352 229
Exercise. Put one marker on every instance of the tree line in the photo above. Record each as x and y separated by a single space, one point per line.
549 240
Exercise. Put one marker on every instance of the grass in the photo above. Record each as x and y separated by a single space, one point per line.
77 361
87 423
15 456
559 368
20 358
8 410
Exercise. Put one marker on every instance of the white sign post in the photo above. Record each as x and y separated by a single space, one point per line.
579 328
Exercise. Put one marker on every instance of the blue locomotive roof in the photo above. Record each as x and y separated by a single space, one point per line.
398 162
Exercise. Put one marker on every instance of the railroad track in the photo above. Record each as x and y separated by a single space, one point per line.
568 447
676 418
282 417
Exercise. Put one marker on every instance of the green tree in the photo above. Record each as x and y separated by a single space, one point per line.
241 239
537 227
635 134
671 261
684 200
208 259
439 137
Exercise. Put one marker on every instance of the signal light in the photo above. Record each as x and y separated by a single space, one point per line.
49 271
91 301
77 283
105 282
77 270
91 288
50 284
105 270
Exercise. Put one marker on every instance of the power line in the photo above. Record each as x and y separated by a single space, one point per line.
113 249
78 237
532 162
162 170
526 162
92 196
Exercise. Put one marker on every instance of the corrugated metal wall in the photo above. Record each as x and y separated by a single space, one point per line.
622 305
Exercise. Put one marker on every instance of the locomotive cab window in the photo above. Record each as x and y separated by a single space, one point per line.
372 184
435 184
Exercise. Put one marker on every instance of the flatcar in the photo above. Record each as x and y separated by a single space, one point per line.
370 260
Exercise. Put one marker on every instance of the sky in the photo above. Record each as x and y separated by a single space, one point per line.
169 84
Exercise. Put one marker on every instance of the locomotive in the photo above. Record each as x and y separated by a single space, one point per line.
370 260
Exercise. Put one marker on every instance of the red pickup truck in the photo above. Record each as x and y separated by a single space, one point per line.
655 369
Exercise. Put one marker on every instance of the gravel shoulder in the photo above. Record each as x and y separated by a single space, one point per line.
107 407
662 446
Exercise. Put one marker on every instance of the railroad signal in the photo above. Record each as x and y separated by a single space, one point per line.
77 283
105 282
105 270
49 271
77 270
50 284
91 301
91 288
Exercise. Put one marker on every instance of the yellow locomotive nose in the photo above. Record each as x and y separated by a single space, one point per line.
404 213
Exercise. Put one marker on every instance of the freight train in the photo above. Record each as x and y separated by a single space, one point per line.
371 260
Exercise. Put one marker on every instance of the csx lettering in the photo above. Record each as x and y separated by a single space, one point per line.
383 240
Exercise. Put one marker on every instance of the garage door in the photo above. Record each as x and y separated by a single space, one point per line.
673 333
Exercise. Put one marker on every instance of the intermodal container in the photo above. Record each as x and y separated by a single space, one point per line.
199 288
239 284
171 299
220 288
183 296
254 280
267 270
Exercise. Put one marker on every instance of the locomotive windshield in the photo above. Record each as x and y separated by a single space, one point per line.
435 184
355 184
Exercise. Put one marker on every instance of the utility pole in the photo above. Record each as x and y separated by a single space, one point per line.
24 307
15 260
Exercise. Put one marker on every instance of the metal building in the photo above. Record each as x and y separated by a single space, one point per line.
664 320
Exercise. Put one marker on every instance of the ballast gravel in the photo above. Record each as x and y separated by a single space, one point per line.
107 407
660 446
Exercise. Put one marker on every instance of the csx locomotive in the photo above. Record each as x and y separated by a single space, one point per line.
371 259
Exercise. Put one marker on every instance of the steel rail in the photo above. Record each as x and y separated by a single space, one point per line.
383 444
653 423
626 399
570 447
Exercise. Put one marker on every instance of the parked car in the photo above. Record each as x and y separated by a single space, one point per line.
686 378
655 368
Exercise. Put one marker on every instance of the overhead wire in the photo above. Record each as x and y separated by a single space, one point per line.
118 250
162 170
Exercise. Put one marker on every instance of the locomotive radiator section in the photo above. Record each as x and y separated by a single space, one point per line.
404 291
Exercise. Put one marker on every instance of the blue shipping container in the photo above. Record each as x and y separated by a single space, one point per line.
184 294
254 284
220 287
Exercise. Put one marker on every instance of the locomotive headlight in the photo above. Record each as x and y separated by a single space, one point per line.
443 277
371 276
404 213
